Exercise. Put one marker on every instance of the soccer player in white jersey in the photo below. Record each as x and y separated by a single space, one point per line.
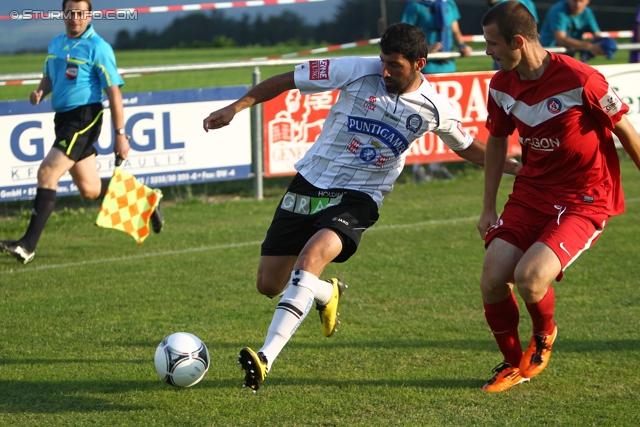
565 113
385 104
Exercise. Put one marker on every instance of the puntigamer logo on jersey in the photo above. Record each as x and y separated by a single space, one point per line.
319 70
386 133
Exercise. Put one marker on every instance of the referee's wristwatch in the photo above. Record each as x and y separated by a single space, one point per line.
120 131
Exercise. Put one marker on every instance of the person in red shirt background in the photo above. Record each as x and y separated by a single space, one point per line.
569 186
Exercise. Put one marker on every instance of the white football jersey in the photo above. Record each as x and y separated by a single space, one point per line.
364 140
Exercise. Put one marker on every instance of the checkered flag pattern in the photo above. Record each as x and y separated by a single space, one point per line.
127 206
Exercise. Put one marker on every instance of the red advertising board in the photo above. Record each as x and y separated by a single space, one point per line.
292 122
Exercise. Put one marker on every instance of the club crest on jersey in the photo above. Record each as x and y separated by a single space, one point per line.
414 123
319 70
554 106
368 153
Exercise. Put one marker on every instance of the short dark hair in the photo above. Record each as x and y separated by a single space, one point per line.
512 18
88 2
405 39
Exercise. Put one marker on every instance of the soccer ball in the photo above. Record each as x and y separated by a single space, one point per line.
182 359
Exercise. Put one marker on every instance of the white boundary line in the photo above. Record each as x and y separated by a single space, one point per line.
210 248
230 246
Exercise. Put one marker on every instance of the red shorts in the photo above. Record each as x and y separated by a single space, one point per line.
568 233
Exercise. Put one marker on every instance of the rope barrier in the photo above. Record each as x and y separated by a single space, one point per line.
286 59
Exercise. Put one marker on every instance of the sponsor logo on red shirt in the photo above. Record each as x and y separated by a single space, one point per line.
319 70
611 103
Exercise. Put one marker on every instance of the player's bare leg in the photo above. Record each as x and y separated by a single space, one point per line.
536 270
501 312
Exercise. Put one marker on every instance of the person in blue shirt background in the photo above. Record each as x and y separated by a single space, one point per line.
438 19
79 66
565 24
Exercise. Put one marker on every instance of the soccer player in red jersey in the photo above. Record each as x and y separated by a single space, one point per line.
565 113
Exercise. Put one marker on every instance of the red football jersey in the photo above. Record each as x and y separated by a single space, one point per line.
564 121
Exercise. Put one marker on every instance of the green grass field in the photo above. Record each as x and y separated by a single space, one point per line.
81 324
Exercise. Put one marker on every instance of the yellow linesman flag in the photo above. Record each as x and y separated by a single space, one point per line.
127 206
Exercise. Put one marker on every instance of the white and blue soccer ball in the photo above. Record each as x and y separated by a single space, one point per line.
182 359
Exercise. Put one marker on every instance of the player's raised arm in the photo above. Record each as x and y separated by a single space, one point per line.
262 92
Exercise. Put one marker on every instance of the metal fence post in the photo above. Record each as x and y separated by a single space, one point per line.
258 141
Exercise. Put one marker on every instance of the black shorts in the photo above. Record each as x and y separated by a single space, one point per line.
305 209
77 130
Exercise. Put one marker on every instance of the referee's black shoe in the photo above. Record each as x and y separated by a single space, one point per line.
157 219
15 249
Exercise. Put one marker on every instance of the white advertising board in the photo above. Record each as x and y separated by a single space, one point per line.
168 143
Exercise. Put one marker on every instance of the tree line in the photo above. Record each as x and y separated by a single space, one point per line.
354 20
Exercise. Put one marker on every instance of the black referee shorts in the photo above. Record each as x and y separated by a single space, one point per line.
305 209
77 130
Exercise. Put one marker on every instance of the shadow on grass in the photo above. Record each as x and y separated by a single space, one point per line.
67 396
53 397
59 397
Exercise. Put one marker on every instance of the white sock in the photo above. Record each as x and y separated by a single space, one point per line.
324 292
290 312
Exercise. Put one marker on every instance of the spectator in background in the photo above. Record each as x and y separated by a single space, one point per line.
634 55
439 21
565 24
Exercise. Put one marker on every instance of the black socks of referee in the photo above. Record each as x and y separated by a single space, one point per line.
42 207
104 186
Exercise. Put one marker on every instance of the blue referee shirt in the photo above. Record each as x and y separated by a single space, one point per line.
558 19
80 69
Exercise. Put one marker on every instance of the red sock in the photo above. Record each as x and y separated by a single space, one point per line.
542 313
503 318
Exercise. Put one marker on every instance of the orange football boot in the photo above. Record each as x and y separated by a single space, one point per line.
506 377
537 356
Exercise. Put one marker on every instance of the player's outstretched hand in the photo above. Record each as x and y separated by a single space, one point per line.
219 119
